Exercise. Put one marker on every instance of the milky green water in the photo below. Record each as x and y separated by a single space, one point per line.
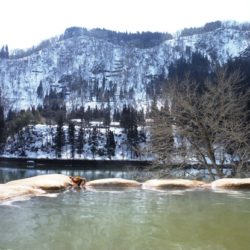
119 220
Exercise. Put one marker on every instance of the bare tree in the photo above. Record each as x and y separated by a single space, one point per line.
207 125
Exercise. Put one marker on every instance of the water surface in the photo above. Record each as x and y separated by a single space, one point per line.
128 220
14 172
131 220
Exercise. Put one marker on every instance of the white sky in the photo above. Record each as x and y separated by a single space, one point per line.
24 23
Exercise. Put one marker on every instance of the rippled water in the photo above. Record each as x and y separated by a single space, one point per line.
128 220
117 220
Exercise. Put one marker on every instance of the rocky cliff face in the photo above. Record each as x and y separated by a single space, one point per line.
89 70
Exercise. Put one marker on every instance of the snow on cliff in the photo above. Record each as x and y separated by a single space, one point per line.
121 67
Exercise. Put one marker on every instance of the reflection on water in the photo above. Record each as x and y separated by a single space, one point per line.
9 174
128 220
13 174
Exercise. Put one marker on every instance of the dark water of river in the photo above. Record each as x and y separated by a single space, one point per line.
13 171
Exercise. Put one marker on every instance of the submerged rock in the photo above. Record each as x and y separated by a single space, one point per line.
111 183
231 183
50 182
8 192
172 184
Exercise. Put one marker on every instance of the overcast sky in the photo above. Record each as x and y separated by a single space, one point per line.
24 23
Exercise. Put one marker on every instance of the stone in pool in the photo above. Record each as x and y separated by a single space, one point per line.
112 183
231 183
172 184
50 182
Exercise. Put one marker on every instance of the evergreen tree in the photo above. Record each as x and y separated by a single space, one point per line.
125 117
129 121
106 114
40 90
88 115
11 115
94 141
128 118
81 113
71 138
2 53
60 137
2 128
6 51
21 143
198 68
116 116
80 141
133 141
110 144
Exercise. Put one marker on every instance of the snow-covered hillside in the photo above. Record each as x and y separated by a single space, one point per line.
80 64
38 141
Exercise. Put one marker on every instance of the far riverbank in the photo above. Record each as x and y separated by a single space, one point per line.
77 163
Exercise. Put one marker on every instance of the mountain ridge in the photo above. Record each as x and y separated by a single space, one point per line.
80 64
